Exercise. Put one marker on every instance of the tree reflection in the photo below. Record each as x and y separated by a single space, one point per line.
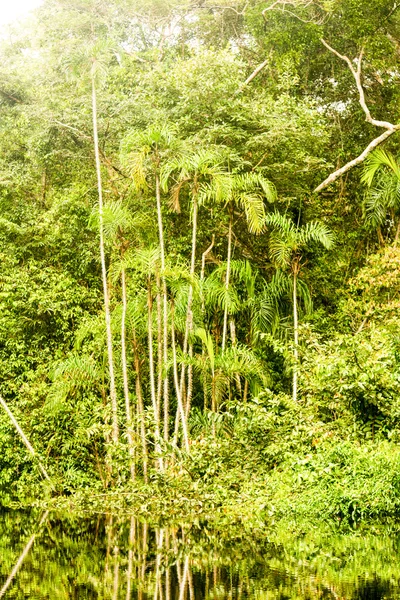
113 557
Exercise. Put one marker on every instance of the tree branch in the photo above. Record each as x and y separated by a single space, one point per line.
357 77
256 72
390 127
356 161
294 4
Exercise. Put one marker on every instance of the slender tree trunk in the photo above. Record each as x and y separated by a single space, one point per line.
396 239
128 411
159 345
381 239
181 411
152 375
189 314
140 408
190 383
25 440
182 583
165 309
159 541
113 391
245 391
296 335
203 310
227 278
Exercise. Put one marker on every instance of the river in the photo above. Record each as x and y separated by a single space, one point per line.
57 556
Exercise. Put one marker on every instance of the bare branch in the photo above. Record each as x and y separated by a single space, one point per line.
357 77
25 440
256 72
282 4
390 127
356 161
216 7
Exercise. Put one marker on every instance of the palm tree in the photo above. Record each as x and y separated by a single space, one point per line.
117 222
147 262
193 170
219 370
142 153
381 174
97 67
286 244
90 62
246 191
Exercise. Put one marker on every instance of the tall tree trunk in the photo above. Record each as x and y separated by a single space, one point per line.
227 278
125 376
190 384
165 309
152 375
140 407
396 239
296 334
203 310
113 391
159 345
180 409
189 314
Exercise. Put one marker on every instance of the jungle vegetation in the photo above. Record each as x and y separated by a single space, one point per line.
200 271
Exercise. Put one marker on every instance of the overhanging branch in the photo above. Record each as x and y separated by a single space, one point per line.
389 127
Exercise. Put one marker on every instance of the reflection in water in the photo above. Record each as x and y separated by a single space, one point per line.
21 558
109 558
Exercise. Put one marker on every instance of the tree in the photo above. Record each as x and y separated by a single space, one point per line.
286 244
143 153
245 191
381 175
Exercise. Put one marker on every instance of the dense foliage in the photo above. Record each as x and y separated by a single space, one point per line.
198 289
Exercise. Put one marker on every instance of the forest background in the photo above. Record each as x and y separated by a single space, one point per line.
199 286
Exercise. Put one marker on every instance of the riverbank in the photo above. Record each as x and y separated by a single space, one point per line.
331 480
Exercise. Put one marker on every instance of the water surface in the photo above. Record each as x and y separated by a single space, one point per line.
53 556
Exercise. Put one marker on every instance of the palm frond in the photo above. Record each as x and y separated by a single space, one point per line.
116 218
280 250
208 344
253 206
316 232
280 222
377 159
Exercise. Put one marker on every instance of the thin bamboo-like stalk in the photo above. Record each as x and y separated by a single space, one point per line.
159 344
165 311
128 412
181 410
189 314
113 391
152 374
116 574
296 335
140 407
227 278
